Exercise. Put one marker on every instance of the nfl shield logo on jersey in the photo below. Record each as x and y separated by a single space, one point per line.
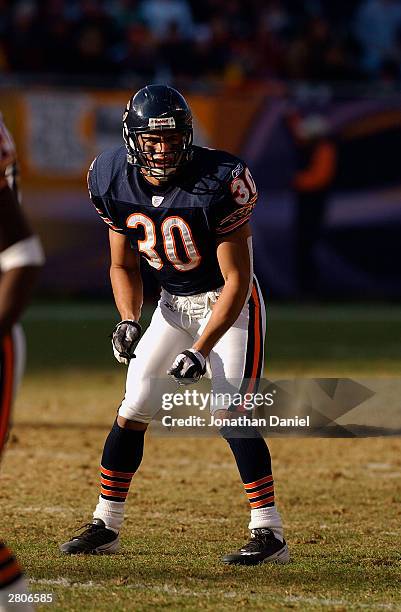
157 200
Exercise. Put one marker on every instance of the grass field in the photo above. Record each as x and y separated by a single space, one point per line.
340 499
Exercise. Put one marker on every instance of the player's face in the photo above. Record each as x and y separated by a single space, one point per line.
162 151
162 146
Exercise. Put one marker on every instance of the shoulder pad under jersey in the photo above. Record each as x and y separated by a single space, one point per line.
105 169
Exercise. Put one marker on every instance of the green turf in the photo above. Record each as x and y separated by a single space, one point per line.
187 508
340 499
352 338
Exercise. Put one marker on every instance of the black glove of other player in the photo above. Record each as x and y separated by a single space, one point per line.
188 367
124 337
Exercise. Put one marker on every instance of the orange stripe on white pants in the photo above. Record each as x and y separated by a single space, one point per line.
258 348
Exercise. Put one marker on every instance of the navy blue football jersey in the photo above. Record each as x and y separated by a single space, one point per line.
175 227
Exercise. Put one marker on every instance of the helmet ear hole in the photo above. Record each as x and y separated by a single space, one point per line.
157 109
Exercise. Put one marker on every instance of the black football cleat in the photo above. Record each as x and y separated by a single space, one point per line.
263 547
95 539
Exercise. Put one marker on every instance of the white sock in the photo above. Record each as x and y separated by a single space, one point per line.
111 512
267 517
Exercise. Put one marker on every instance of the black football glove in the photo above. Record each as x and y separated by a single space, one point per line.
188 367
124 337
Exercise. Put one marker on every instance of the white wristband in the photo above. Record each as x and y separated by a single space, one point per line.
198 356
27 252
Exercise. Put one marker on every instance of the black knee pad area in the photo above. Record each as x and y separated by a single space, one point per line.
123 449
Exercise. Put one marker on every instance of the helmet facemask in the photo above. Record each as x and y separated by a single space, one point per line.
160 153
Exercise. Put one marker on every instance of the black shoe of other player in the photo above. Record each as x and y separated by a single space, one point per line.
263 547
95 539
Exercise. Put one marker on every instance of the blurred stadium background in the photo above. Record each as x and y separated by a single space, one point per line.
308 93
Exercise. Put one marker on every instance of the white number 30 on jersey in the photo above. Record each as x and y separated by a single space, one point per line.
147 246
243 188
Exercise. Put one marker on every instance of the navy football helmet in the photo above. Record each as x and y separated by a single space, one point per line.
157 131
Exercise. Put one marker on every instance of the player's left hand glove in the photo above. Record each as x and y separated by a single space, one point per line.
188 367
124 337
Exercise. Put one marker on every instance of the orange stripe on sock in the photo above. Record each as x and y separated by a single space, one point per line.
7 383
261 492
257 483
9 572
262 502
113 483
113 493
116 474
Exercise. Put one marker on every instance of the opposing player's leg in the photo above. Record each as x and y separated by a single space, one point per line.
12 357
123 449
13 583
237 363
12 361
7 374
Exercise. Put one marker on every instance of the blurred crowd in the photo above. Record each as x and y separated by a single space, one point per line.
202 41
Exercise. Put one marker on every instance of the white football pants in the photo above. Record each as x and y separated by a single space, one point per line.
235 361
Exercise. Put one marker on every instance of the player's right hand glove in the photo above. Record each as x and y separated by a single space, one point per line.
124 337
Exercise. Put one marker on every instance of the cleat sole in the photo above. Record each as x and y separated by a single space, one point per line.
281 557
105 549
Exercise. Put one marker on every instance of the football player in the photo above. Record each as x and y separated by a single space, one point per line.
185 210
20 255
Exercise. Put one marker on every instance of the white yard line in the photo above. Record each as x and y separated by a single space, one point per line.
164 588
207 593
318 601
46 510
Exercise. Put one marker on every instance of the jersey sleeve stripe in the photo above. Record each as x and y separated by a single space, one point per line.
236 218
107 220
234 226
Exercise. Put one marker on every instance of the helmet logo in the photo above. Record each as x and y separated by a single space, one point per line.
160 122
